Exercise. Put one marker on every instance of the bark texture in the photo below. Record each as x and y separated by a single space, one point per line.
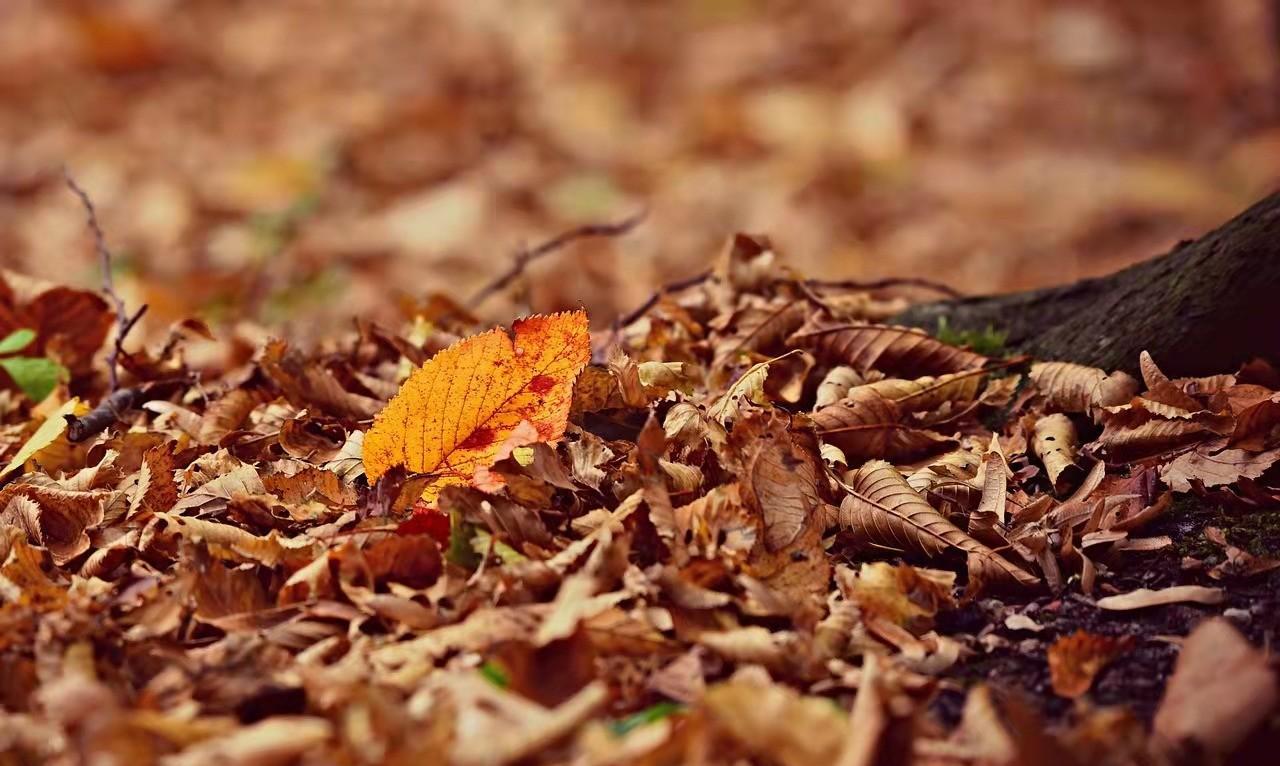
1205 307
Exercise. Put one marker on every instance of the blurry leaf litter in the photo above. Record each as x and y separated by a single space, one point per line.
748 532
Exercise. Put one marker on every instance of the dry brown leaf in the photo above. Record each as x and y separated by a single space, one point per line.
897 350
1075 388
1056 444
748 389
1177 594
275 740
778 473
776 723
928 393
835 385
495 727
1210 466
1129 443
757 328
306 383
1220 691
883 509
865 425
902 594
1258 425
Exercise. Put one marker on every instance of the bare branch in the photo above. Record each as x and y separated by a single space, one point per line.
524 257
124 321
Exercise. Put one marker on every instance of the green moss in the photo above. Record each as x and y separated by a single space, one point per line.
1257 532
988 342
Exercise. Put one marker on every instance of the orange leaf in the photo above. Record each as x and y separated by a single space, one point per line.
1075 660
454 413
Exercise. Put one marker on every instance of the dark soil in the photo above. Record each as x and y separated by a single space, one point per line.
1014 660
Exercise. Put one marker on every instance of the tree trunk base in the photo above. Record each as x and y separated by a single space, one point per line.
1205 307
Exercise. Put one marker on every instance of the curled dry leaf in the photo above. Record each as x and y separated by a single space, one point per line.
307 383
54 518
835 385
749 388
902 594
453 413
866 425
1075 660
1056 444
1258 425
928 393
779 476
1143 598
1129 443
883 509
897 350
1075 388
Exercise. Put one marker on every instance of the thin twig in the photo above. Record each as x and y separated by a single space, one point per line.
526 256
652 300
124 321
879 284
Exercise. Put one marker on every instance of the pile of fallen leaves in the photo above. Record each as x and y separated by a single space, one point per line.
728 529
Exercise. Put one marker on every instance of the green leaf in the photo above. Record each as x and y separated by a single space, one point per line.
46 434
494 674
17 340
482 541
647 716
36 377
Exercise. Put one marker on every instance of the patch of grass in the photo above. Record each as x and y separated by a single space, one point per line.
988 342
647 716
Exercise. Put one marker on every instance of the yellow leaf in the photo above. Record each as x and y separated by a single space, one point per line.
46 434
453 414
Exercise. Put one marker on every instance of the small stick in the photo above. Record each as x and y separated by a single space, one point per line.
108 412
652 300
524 256
878 284
124 321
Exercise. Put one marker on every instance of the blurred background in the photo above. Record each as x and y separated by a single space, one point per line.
298 162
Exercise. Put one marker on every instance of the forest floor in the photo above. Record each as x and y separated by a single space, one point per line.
276 491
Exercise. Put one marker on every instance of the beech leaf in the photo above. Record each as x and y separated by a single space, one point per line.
883 509
453 414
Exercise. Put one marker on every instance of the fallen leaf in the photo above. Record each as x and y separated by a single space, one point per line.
883 509
1075 388
1220 691
1143 598
53 426
1075 660
1055 443
836 384
776 723
779 475
1210 466
454 412
899 350
865 425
